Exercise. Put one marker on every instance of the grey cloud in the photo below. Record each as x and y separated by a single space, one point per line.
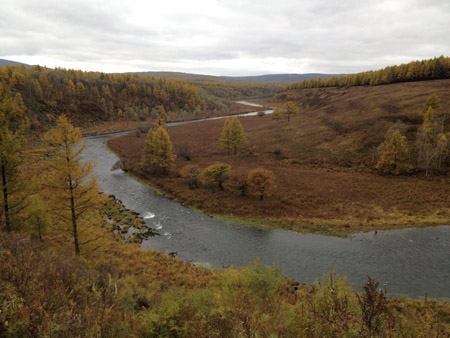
225 37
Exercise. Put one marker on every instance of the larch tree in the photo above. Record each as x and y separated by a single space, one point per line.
225 136
158 153
233 137
442 148
288 109
394 157
159 114
13 124
38 220
73 191
261 182
432 101
432 142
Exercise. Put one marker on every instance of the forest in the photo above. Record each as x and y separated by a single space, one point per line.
436 68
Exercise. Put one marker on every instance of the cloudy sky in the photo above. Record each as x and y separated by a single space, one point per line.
224 37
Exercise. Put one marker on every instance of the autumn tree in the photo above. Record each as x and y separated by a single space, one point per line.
158 153
159 114
73 191
13 124
432 142
287 109
394 157
191 175
38 220
216 175
432 101
261 182
233 137
442 145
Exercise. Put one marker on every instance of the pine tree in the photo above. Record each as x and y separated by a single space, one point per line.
73 191
13 125
158 153
261 182
395 155
233 137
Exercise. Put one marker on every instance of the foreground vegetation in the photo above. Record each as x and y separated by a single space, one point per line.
120 290
332 161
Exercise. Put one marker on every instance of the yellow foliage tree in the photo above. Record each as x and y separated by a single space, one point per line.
158 153
13 124
233 137
261 182
73 191
216 175
432 142
288 109
394 158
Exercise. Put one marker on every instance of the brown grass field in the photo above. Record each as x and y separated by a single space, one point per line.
323 163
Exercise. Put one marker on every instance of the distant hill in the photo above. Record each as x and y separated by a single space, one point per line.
273 78
284 78
4 62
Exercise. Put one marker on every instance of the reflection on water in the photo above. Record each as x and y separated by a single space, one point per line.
411 261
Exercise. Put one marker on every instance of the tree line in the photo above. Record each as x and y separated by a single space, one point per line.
432 69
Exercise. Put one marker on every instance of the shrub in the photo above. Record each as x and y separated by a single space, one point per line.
216 175
191 175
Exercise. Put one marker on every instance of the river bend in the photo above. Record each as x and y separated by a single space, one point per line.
411 262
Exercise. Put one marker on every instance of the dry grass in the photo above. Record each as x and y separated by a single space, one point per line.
322 163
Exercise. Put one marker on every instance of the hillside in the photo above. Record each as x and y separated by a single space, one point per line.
323 161
97 100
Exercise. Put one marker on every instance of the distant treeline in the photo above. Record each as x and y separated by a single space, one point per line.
239 90
436 68
91 96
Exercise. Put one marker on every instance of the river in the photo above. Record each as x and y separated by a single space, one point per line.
410 262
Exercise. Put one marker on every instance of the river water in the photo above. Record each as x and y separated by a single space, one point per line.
411 262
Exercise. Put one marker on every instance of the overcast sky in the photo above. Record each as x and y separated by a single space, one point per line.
233 37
